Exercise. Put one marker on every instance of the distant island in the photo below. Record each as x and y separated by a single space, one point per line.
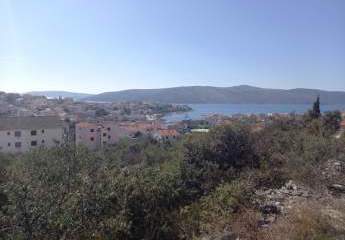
242 94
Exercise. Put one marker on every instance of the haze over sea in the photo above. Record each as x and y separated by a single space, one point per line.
201 111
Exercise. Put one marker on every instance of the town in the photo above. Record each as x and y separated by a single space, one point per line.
28 122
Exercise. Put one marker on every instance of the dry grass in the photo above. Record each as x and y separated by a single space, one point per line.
246 224
309 221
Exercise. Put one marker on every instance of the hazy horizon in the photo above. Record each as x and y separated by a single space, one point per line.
94 47
95 93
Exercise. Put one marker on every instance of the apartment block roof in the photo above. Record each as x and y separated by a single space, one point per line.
41 122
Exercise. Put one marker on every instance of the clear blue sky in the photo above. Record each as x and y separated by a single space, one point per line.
105 45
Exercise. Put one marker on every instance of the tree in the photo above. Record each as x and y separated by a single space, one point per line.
315 113
208 158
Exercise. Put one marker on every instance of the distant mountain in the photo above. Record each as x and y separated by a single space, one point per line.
57 94
236 94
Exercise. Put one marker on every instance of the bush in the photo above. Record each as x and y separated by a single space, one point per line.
214 212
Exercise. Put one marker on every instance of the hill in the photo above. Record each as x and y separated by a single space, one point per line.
57 94
238 94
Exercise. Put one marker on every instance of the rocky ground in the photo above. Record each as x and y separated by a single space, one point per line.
275 206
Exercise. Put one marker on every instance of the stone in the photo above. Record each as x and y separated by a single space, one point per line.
337 188
291 186
269 209
271 219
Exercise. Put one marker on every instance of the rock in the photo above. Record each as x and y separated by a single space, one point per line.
291 186
267 221
269 209
337 188
337 164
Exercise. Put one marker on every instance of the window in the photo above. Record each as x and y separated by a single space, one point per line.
109 137
92 139
104 134
17 133
33 133
109 129
18 144
33 143
104 142
8 133
8 144
92 130
42 141
42 130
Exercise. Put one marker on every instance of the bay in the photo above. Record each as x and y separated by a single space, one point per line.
201 111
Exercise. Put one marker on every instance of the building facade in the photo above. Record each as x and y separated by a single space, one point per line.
21 134
166 135
98 135
342 124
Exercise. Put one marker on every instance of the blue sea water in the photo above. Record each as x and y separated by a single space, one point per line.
201 111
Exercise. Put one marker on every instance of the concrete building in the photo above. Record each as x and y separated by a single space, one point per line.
98 135
166 135
342 125
20 134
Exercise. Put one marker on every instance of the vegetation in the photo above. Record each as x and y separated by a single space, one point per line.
143 189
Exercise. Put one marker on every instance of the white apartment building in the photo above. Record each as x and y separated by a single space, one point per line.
21 134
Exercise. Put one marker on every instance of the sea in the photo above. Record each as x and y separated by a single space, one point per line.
201 111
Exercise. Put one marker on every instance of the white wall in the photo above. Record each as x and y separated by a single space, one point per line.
47 138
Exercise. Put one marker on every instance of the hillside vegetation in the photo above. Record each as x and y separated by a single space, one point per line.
237 94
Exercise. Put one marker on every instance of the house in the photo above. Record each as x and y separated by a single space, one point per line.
95 135
342 124
166 135
21 134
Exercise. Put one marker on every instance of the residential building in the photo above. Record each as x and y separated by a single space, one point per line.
98 135
342 124
166 135
20 134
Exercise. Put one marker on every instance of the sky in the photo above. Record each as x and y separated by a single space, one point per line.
109 45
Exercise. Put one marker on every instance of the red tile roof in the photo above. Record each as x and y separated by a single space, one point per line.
168 133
